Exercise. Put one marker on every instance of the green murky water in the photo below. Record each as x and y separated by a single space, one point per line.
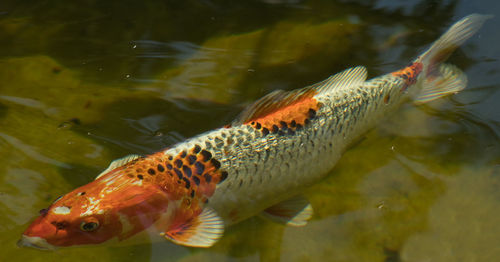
85 82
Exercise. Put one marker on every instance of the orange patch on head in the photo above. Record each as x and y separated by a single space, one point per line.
130 198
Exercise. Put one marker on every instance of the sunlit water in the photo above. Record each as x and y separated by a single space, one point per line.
84 83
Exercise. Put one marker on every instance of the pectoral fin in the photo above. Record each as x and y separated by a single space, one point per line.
201 231
293 212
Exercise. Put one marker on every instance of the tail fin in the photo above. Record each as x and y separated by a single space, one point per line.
442 79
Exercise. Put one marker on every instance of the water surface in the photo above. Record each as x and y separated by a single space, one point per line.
84 83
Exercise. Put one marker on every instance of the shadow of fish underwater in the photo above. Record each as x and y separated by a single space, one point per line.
258 164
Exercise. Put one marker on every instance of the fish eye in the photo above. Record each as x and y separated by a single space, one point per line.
89 226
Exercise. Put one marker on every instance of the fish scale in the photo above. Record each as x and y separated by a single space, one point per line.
289 163
258 164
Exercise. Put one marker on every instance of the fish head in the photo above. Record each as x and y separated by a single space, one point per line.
65 223
55 230
95 213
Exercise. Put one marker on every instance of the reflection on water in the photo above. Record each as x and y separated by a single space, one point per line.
86 83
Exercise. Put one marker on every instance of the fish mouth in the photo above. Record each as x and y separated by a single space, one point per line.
35 242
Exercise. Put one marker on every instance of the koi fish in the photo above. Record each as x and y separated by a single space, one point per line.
258 164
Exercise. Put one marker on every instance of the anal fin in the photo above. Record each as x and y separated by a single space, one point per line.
201 231
293 212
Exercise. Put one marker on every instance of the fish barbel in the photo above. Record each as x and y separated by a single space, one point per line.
258 164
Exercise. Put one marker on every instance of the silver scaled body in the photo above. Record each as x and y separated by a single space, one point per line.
267 169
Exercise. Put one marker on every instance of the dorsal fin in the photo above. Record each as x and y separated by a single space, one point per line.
351 77
280 99
117 163
273 102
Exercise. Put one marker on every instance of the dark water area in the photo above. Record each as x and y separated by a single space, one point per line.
86 82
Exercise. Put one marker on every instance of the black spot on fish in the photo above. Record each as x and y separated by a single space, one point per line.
283 124
183 154
208 178
192 193
312 113
178 172
196 180
293 123
199 168
258 126
197 149
299 126
223 176
170 158
151 172
265 131
178 163
191 159
307 121
140 177
188 184
215 163
206 155
253 123
187 171
169 166
275 129
160 168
